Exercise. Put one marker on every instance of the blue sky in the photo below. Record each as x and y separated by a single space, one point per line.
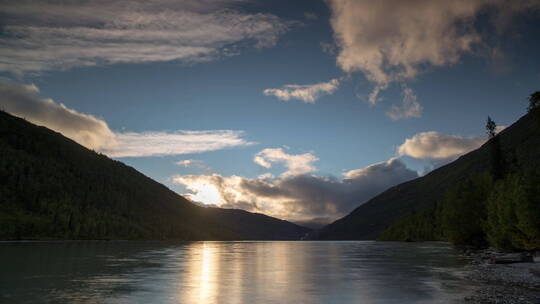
481 60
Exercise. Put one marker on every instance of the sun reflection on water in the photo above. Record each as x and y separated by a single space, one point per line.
203 270
243 272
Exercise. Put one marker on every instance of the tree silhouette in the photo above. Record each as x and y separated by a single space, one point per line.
490 127
534 101
496 154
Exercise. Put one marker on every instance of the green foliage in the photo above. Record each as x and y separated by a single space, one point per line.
458 217
479 212
420 226
514 213
463 211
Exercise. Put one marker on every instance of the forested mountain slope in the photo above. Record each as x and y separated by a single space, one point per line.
519 147
53 188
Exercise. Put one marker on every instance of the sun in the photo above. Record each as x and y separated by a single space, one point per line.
205 193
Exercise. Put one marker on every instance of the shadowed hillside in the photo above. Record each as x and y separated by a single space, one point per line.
53 188
519 147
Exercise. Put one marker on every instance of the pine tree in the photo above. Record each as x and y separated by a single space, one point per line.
490 127
534 101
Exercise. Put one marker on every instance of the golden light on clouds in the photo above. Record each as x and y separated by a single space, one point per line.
205 193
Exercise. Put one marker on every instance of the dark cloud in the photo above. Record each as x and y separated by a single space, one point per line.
299 197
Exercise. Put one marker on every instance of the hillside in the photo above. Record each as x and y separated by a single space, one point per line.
53 188
520 146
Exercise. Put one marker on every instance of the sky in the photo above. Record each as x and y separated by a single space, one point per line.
302 110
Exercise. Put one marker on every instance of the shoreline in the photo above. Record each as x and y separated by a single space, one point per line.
515 283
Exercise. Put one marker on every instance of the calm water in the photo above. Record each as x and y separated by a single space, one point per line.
230 272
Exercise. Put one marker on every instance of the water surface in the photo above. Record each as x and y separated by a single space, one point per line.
230 272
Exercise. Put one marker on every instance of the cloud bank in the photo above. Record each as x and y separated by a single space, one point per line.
48 35
391 40
306 93
301 197
436 145
94 133
394 41
388 40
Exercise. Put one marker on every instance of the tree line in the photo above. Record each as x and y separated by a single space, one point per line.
499 207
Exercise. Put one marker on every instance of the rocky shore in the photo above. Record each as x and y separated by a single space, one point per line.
504 283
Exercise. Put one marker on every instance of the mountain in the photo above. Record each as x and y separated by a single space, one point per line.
53 188
519 145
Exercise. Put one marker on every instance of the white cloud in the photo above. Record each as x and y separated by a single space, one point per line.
388 40
392 41
265 176
296 164
47 35
409 107
300 197
190 163
89 131
307 93
373 97
94 133
132 144
436 145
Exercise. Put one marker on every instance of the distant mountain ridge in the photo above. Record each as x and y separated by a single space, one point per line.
520 144
53 188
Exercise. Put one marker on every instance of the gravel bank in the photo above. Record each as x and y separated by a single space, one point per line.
504 283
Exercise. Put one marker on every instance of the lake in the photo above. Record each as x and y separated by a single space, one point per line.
230 272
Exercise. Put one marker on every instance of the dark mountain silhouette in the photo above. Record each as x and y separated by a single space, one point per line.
519 146
53 188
